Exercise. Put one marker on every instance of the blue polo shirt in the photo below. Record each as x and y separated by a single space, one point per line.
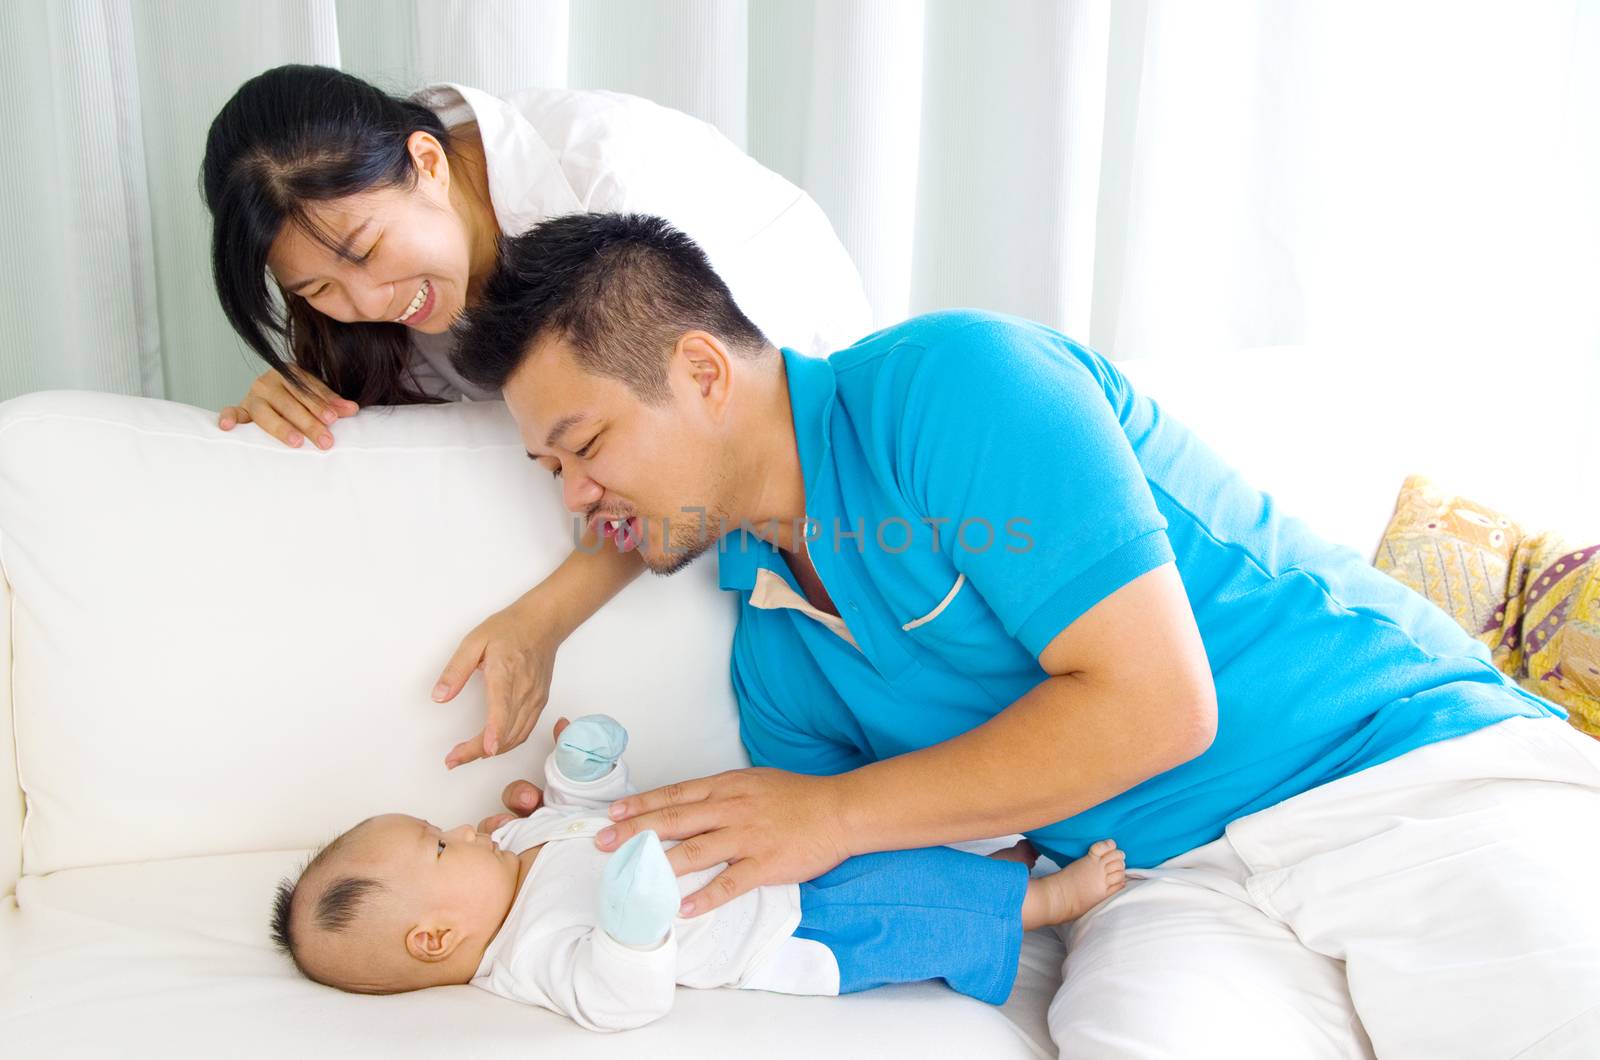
973 484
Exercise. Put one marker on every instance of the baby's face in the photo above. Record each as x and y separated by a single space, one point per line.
459 874
442 899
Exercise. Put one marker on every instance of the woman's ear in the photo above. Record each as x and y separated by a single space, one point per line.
428 155
432 944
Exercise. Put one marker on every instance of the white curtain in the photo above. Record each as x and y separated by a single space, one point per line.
1156 177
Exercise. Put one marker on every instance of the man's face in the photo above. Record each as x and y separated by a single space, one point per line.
630 471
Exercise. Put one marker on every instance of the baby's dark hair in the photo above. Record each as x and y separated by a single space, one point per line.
337 907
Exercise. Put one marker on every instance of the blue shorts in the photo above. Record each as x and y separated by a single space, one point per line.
901 916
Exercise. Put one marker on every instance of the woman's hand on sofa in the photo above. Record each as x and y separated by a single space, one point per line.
516 649
287 413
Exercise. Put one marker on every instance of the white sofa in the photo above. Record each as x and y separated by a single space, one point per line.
218 653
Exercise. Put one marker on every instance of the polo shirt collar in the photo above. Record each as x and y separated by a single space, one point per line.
812 388
811 393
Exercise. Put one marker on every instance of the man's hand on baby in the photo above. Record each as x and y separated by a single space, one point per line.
638 892
770 826
586 749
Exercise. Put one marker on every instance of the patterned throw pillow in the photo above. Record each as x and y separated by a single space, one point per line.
1534 600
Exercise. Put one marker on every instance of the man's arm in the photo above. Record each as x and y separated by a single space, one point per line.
1011 421
1129 697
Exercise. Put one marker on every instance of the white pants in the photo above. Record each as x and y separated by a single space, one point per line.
1444 905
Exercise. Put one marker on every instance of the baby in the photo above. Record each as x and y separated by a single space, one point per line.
536 913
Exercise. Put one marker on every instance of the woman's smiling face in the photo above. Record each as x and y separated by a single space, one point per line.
404 254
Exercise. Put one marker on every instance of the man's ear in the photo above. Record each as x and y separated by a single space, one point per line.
432 943
703 360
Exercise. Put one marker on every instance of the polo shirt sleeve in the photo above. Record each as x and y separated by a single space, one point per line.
1012 433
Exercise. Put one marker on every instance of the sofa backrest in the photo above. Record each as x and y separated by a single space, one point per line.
222 644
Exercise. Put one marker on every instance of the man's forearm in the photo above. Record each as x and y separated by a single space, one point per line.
1068 745
585 580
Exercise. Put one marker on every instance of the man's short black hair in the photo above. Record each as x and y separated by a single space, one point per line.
621 288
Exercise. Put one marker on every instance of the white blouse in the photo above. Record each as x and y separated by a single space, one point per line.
555 151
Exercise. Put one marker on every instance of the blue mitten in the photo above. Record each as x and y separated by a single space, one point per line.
589 746
639 894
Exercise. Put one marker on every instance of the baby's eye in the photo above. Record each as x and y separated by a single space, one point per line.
441 848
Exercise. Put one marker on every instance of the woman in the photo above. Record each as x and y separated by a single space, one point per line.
351 229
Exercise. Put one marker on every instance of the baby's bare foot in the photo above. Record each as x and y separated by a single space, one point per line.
1072 892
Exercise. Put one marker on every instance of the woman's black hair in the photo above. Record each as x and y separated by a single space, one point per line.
289 138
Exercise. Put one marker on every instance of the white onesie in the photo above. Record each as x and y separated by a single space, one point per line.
552 952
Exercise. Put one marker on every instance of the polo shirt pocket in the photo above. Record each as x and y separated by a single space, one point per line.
952 628
961 636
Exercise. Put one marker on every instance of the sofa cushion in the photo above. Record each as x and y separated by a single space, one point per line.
171 959
1531 597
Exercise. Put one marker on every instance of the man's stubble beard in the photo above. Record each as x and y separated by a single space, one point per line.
692 535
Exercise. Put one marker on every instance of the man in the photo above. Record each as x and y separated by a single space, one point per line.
987 588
